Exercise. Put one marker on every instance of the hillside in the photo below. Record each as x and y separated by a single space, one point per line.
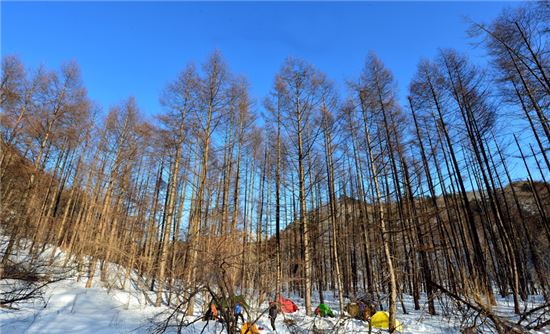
67 306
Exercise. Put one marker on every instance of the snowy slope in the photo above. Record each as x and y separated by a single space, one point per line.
70 308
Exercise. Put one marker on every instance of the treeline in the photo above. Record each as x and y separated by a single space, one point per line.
348 193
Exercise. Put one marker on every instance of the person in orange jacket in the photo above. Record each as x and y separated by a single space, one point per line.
211 313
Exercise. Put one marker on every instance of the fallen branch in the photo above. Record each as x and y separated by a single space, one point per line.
501 325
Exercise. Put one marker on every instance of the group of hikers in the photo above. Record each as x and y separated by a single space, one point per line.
214 312
363 308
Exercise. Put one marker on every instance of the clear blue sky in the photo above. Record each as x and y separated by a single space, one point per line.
135 48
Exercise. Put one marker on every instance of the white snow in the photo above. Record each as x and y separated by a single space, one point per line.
69 307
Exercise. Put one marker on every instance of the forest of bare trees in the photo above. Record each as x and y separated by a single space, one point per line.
327 190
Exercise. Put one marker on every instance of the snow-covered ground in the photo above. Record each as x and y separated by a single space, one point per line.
71 308
68 307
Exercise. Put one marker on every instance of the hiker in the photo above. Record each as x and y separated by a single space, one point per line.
211 312
273 313
238 313
363 312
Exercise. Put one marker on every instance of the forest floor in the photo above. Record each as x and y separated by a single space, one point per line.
68 307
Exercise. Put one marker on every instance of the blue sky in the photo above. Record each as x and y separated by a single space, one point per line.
135 48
